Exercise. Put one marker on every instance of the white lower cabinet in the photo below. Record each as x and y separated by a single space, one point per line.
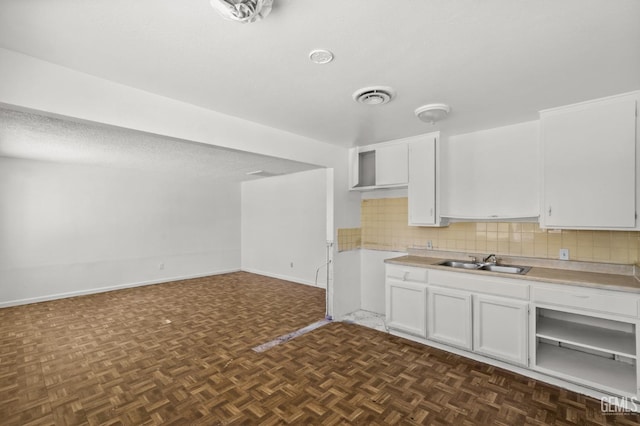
449 317
406 306
500 328
587 336
579 335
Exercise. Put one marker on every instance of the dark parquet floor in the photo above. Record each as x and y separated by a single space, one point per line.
180 354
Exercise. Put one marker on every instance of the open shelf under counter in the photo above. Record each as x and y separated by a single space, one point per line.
589 370
587 336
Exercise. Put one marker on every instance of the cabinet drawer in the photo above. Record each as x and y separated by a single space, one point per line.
477 283
593 300
407 273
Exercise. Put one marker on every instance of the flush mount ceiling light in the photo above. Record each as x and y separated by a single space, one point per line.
244 11
320 56
377 95
433 112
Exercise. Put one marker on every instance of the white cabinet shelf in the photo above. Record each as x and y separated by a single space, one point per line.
586 336
591 370
589 350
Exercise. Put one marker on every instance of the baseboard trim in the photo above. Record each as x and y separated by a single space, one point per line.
283 277
109 288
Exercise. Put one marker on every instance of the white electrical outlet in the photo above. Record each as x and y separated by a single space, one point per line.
564 254
429 245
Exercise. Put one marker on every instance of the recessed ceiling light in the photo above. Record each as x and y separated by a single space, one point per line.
320 56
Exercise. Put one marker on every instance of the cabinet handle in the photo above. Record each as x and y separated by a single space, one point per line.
431 211
404 277
549 210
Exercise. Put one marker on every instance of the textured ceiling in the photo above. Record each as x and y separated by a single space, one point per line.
496 62
37 137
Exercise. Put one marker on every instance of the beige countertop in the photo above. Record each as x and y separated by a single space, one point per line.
585 274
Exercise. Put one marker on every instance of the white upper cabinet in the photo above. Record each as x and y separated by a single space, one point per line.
422 191
589 164
383 165
411 162
392 165
492 174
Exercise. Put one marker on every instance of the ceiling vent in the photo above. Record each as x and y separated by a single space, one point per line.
378 95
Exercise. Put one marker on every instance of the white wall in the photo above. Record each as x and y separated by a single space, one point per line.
284 221
344 292
70 229
38 85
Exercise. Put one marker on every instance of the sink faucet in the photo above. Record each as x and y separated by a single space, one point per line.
488 259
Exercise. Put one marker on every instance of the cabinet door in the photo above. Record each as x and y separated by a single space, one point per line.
392 165
483 178
500 328
449 317
406 306
589 160
422 182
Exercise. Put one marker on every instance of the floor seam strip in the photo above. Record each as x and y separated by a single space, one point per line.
285 338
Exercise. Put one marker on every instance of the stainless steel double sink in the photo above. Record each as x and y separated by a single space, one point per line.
491 267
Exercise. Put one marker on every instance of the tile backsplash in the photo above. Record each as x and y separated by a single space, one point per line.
384 227
349 239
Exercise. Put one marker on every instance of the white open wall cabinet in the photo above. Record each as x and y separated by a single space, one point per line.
383 165
411 162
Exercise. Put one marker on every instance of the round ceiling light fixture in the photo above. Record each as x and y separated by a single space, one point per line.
432 113
244 11
378 95
321 56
